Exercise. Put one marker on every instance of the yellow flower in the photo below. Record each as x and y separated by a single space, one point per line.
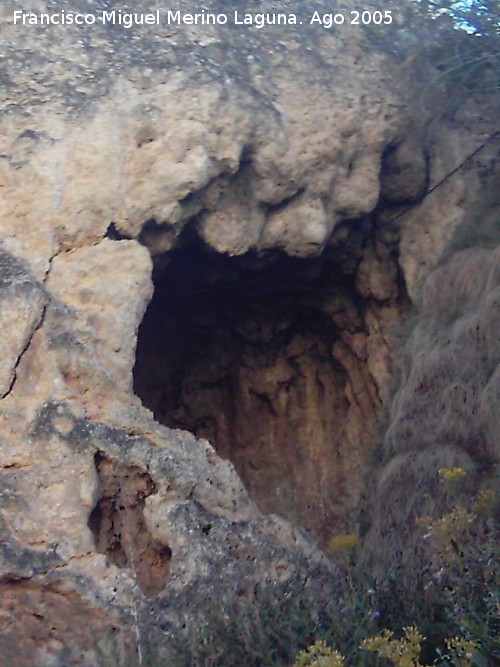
342 543
453 525
319 655
374 643
461 651
452 475
401 652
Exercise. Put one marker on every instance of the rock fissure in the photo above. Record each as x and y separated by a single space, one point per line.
41 294
37 326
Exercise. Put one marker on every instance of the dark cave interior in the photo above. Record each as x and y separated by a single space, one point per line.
240 351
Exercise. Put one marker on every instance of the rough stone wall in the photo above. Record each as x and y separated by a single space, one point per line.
262 141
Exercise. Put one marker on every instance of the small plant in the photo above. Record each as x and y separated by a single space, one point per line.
405 652
451 475
483 503
452 478
319 655
449 532
402 652
460 652
343 547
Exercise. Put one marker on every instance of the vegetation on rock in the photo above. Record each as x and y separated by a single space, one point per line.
441 607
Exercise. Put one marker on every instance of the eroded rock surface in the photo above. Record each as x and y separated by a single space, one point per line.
286 160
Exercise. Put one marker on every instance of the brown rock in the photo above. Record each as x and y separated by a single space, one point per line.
265 176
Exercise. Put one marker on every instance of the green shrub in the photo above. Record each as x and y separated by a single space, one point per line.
319 655
439 608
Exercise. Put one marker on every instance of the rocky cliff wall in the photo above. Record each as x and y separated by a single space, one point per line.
212 218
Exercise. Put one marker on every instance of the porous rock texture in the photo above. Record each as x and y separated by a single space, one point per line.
223 158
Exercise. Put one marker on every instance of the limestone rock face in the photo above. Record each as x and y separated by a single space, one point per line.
211 242
104 305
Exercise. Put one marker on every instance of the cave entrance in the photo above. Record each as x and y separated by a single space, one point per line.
240 351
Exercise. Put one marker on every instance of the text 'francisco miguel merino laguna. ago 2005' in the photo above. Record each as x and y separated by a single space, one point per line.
169 17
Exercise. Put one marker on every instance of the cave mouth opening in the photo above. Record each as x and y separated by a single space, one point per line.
240 351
